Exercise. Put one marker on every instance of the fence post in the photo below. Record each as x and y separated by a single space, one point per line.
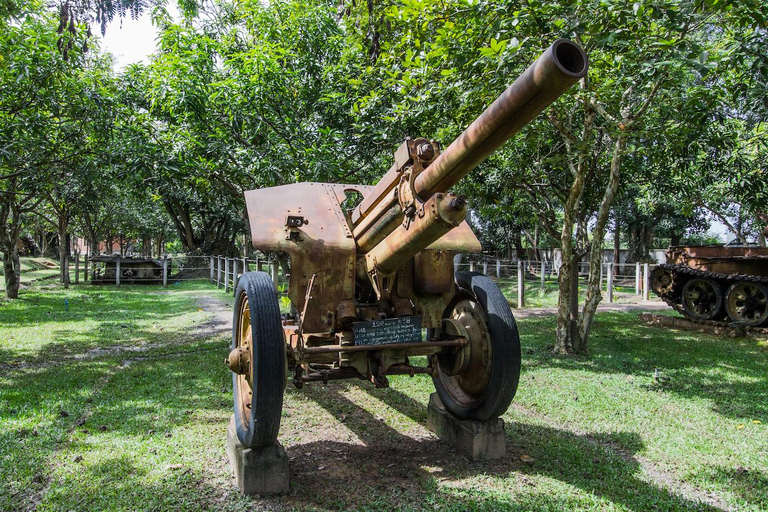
77 268
165 271
646 281
275 278
543 274
226 275
117 272
637 278
245 265
259 266
498 269
218 271
85 270
235 276
610 282
485 267
471 266
520 283
211 269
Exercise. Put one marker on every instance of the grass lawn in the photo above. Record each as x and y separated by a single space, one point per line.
121 402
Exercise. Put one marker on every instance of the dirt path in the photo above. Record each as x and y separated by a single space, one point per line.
221 321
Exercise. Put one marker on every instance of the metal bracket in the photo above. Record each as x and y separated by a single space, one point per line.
292 225
307 298
382 283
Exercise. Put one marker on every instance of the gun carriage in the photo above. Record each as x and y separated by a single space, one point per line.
364 283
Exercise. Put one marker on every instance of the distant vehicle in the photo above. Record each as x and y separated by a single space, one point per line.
716 283
132 270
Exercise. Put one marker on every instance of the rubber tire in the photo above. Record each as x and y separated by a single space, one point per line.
505 352
762 288
718 300
268 363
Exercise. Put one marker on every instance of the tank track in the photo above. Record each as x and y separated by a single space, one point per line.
684 269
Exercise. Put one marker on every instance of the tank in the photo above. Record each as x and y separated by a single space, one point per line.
716 283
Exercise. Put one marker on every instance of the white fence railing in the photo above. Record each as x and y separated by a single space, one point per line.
523 276
526 275
225 271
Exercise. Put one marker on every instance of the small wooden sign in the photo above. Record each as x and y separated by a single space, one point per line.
406 329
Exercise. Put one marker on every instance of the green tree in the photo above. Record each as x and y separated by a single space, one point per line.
29 70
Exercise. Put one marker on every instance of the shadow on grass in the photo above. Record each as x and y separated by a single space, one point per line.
89 302
729 372
393 468
749 485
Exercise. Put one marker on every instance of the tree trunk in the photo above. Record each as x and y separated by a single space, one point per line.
568 305
12 269
62 227
519 250
594 293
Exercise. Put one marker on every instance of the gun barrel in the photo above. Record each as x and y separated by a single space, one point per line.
559 67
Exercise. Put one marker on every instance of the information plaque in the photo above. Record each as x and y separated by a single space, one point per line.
406 329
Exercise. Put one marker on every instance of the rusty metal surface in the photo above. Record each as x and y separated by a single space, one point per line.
394 196
747 260
393 346
322 245
385 184
433 271
440 215
392 256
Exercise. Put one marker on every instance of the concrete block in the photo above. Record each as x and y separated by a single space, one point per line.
479 440
262 470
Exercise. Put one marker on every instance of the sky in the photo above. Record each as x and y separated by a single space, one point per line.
130 41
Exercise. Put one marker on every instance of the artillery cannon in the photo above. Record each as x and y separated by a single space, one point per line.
364 283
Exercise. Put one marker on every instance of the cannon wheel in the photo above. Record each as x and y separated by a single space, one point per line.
702 298
257 328
747 303
488 380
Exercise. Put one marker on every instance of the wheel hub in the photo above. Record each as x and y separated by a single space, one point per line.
702 298
662 281
747 303
239 360
473 373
